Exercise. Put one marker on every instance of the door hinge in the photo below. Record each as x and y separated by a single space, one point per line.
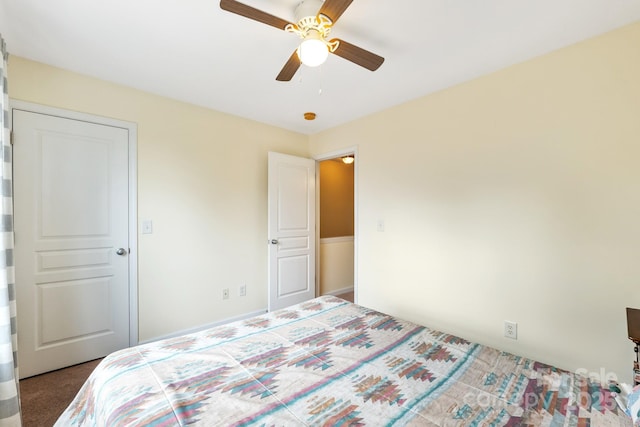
11 137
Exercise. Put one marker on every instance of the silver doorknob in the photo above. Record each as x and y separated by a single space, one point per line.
274 241
121 251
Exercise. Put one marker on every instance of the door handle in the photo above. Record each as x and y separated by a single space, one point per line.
121 251
274 241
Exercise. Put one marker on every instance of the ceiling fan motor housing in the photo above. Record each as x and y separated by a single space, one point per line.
307 8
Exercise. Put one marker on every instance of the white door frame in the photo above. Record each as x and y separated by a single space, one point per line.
327 156
132 129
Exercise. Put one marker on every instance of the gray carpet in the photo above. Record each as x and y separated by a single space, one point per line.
44 397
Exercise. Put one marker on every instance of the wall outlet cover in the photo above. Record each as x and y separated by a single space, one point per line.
511 330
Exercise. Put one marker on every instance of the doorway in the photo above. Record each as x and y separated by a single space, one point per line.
337 224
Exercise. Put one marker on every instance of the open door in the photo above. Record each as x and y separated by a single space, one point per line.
291 230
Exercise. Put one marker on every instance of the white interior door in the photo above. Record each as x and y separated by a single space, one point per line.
71 185
292 230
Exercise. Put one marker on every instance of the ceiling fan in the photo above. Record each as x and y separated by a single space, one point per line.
315 20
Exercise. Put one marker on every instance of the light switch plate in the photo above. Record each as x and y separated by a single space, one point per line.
147 226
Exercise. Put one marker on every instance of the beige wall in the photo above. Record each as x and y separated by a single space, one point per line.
336 198
515 196
202 179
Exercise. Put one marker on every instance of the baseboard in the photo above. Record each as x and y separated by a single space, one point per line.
203 327
340 291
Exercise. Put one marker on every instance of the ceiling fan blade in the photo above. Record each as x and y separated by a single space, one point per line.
333 9
253 13
290 68
358 55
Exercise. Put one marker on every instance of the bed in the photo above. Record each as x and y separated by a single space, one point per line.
328 362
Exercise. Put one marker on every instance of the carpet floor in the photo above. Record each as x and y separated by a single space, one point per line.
346 296
44 397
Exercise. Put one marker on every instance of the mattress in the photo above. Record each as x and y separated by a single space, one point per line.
328 362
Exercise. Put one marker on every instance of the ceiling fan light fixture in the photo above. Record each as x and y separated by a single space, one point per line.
313 51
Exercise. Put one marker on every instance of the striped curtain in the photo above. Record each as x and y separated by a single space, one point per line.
9 400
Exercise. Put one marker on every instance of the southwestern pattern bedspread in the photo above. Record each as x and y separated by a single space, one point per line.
328 362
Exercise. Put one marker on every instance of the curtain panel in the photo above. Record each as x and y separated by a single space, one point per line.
9 398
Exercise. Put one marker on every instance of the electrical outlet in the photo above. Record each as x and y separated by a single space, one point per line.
225 293
511 330
242 290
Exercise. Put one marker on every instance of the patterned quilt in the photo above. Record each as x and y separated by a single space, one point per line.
327 362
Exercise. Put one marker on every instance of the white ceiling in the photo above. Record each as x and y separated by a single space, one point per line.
193 51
